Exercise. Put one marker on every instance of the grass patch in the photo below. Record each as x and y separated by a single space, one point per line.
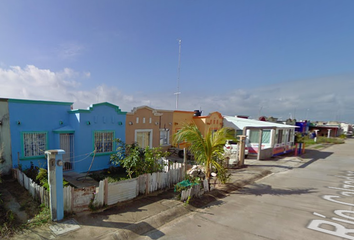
41 218
323 140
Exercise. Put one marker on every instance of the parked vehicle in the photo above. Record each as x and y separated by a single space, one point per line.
189 154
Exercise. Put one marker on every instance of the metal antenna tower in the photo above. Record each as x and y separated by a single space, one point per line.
178 72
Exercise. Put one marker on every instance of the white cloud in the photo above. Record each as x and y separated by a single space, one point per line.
328 98
70 50
42 84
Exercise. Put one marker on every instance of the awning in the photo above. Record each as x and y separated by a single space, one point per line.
65 129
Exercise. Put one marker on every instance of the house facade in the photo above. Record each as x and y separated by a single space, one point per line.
5 138
278 138
155 127
149 127
31 127
86 135
96 129
324 129
211 122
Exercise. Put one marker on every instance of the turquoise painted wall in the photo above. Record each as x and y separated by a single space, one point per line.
102 117
54 118
35 117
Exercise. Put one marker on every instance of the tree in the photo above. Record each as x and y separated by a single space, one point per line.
207 150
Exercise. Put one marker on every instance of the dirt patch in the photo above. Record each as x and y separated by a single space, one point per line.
22 196
11 190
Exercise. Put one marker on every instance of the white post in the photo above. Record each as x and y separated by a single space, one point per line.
316 131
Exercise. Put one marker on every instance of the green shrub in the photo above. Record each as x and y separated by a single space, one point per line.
31 172
343 136
136 160
42 179
299 138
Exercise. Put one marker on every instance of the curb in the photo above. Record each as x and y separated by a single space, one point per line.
152 223
147 225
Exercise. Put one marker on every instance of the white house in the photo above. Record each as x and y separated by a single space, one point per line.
275 138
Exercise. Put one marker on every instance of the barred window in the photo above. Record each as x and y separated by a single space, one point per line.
103 142
34 144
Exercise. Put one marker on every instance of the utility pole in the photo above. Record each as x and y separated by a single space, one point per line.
178 72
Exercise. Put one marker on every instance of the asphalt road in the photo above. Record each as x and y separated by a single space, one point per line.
315 201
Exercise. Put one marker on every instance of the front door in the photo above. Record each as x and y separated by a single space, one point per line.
67 144
143 138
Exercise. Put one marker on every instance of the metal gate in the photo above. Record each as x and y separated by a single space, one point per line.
67 144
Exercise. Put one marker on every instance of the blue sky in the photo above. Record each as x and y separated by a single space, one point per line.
257 57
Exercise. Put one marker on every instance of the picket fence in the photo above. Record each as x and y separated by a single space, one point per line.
38 192
195 191
78 200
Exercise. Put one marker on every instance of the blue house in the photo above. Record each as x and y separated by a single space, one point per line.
95 131
87 136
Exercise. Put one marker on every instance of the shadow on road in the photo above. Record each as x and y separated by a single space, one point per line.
133 211
262 189
315 155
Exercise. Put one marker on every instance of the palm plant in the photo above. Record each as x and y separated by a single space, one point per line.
207 150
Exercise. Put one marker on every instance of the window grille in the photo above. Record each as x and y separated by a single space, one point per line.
103 142
34 144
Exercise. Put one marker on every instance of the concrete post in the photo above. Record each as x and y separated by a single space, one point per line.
315 139
241 150
55 179
329 133
184 160
259 156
